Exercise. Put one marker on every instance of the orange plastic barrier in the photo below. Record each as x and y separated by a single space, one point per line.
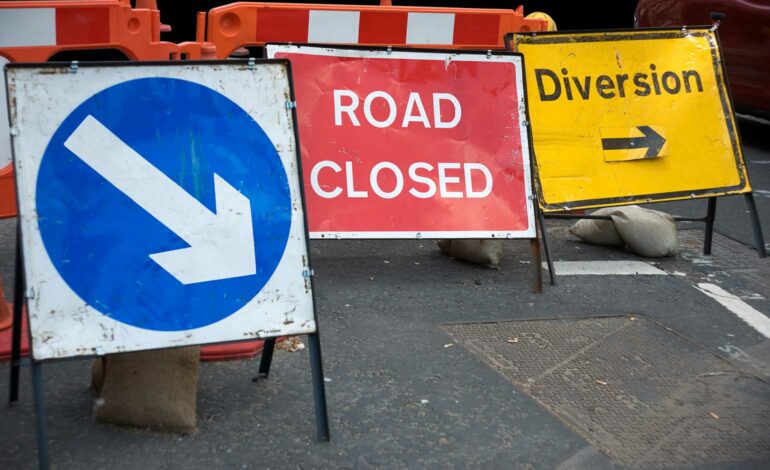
37 31
6 321
34 31
231 351
253 24
6 340
6 317
198 49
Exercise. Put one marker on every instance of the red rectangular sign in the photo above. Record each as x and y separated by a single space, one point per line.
412 144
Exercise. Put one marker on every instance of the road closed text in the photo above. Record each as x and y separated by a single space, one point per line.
387 180
346 104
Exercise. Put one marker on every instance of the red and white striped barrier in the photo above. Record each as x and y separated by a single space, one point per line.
253 24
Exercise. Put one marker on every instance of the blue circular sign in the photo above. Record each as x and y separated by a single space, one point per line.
100 238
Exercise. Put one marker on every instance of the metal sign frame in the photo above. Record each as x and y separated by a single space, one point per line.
435 54
556 211
537 224
24 295
513 40
57 304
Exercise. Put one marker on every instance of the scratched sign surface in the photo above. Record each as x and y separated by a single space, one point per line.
160 206
630 116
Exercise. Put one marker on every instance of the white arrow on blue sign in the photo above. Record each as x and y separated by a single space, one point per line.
160 206
221 243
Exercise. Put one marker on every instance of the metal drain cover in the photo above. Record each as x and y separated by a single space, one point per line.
634 389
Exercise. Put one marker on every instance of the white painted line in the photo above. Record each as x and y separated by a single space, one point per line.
744 311
760 162
761 192
21 27
605 268
430 28
333 26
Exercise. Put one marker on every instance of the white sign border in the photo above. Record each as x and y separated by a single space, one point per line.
447 57
64 325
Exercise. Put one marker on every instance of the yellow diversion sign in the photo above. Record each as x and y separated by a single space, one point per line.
630 116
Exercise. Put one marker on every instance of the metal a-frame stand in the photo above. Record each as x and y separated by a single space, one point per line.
19 301
41 428
708 219
316 365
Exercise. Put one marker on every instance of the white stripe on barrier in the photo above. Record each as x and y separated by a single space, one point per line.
333 26
20 27
430 28
604 268
741 309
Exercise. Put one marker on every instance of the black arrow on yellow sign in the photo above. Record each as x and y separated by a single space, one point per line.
651 140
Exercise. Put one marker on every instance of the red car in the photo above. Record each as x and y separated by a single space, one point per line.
744 34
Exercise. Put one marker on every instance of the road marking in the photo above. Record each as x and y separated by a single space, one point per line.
761 192
605 268
744 311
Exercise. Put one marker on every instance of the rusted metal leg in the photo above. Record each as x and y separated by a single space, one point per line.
544 238
710 216
267 358
537 269
18 306
319 388
759 240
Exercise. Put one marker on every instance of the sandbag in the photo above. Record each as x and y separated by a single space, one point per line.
598 232
646 232
445 246
97 375
155 389
486 252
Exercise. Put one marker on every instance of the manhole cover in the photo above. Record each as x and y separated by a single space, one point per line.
640 393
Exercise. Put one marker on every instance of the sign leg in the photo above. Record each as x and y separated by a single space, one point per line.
18 305
710 216
544 237
759 240
266 359
537 269
319 390
40 421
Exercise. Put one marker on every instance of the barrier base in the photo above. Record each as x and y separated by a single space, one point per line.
219 352
231 351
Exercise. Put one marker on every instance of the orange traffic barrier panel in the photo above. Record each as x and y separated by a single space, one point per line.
6 321
198 49
6 340
7 185
231 351
35 31
244 24
40 31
